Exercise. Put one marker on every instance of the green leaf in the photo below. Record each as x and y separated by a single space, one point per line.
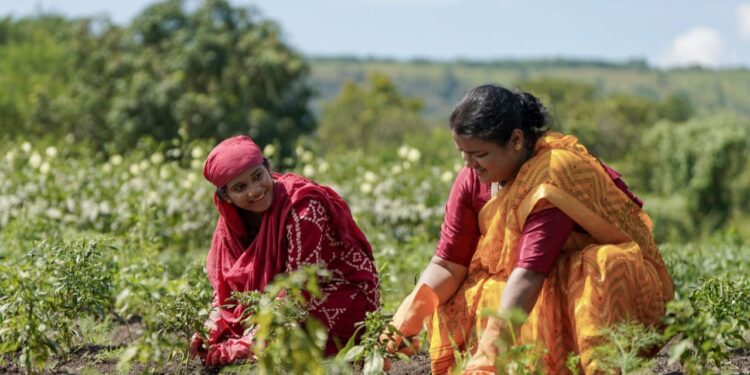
676 352
373 364
354 353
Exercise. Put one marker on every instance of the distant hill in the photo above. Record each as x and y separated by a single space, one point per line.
441 84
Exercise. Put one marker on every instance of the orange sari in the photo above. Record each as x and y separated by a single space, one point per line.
610 275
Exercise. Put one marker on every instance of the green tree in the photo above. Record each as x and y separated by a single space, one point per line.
571 105
368 117
698 161
33 60
214 71
611 125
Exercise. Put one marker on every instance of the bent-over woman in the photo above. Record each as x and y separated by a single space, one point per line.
563 239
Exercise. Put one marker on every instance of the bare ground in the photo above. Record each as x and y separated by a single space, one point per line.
103 359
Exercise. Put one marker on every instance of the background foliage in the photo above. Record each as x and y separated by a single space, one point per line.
106 219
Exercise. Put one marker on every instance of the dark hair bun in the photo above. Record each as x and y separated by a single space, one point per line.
534 114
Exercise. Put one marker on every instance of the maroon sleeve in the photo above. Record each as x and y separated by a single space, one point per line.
542 239
459 233
546 231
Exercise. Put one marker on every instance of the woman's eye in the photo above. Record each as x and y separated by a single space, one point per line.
481 155
238 188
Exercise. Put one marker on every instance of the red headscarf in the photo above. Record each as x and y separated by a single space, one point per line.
237 262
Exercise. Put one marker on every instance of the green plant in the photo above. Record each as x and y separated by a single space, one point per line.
171 312
285 338
709 324
46 291
370 348
624 346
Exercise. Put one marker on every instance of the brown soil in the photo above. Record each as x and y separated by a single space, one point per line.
740 364
92 358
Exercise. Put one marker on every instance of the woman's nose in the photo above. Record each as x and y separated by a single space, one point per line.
254 193
469 162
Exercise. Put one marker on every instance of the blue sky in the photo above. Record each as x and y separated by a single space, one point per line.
664 32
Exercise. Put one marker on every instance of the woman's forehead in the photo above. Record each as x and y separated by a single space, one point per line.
248 173
471 144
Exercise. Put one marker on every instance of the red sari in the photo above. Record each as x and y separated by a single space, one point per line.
307 223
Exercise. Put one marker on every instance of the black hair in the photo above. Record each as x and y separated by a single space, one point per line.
222 191
492 112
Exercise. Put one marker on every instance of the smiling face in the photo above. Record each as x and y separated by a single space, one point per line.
490 161
252 190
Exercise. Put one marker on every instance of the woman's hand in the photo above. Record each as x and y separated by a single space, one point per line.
438 283
196 347
409 317
229 351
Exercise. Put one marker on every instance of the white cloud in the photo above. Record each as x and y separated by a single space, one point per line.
743 21
698 46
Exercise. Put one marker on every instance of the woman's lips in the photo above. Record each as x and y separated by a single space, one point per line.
259 199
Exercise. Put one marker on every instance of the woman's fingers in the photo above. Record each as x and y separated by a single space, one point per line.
196 346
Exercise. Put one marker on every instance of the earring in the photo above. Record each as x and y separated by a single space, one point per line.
518 147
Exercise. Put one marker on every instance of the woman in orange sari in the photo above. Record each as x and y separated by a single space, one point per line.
563 239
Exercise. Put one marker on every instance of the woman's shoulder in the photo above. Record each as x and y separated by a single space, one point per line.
556 164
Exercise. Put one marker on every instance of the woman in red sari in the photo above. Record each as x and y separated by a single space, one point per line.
273 223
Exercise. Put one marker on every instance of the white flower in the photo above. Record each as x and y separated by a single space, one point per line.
370 176
413 155
143 165
307 157
53 213
44 168
104 208
26 147
396 169
269 150
51 151
157 158
164 173
10 156
308 170
116 160
174 153
406 165
106 167
35 160
197 152
196 164
323 166
366 188
134 170
447 176
403 151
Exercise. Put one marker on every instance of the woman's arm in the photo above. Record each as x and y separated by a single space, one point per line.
521 290
444 277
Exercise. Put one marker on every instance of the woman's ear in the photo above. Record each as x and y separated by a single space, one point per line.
517 139
222 193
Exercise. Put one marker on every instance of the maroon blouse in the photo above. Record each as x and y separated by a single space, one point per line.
541 241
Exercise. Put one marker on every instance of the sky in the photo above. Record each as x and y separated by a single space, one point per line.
666 33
